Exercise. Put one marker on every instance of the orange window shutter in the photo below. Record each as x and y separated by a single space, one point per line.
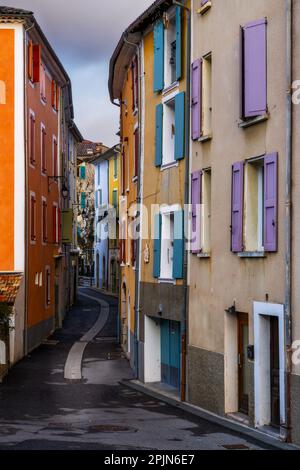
30 60
36 63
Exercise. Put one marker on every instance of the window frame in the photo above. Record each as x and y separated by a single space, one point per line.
33 219
31 139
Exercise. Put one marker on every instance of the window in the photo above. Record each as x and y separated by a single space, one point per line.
115 198
254 205
123 242
83 200
254 69
47 286
100 197
168 245
32 218
136 152
170 131
44 221
54 95
34 62
167 50
55 221
201 114
135 83
43 150
123 172
31 138
115 167
55 156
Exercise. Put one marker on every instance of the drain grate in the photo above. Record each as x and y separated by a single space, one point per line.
236 447
110 428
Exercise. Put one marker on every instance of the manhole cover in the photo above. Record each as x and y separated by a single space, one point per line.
110 428
236 447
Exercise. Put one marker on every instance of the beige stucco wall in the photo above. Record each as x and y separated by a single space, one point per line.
217 282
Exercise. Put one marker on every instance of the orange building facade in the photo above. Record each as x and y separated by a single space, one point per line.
33 187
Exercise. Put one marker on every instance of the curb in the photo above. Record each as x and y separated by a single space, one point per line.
211 417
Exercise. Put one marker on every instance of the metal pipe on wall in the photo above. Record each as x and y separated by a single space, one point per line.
288 219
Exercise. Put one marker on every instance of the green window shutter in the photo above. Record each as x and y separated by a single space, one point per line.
178 244
82 173
178 43
157 247
179 126
159 43
115 167
115 199
83 200
159 135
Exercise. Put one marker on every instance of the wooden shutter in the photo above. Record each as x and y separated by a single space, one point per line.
158 56
196 212
43 143
32 218
271 203
44 221
178 43
55 223
237 207
30 60
179 126
178 250
255 68
159 135
157 246
55 158
37 54
32 139
196 99
136 152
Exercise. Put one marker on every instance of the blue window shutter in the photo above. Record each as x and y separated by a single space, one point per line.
179 125
96 200
82 172
178 43
178 245
157 247
159 135
83 200
159 40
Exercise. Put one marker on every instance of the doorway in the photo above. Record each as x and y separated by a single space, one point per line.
243 364
170 353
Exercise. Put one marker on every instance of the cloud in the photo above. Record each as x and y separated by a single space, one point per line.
84 34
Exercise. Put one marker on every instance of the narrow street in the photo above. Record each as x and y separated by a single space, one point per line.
39 409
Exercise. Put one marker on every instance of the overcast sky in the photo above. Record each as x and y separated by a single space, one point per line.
84 34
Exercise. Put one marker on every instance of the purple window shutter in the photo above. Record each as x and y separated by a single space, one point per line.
255 68
271 203
196 99
237 207
196 212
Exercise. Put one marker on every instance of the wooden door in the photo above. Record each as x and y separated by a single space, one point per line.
274 372
243 365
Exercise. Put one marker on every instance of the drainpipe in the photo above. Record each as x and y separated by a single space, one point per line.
184 323
288 219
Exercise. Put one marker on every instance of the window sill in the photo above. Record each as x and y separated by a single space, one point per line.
170 88
252 121
205 138
166 281
203 255
204 8
168 166
252 254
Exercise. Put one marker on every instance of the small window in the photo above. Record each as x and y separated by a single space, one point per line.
254 206
206 96
54 95
83 200
170 50
169 132
115 198
32 138
55 157
44 221
100 197
206 212
115 167
47 286
32 217
167 246
99 174
43 150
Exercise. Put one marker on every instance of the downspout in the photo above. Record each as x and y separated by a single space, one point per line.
184 323
138 202
26 190
288 220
